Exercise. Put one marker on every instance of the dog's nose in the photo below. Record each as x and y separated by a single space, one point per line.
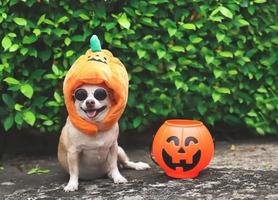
90 103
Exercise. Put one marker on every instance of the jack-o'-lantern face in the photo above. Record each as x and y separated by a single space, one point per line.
179 153
99 57
182 148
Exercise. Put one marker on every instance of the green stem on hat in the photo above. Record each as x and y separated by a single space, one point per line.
95 44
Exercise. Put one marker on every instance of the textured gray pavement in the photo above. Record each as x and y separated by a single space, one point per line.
243 170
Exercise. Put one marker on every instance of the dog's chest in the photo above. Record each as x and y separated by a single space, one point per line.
94 152
96 145
93 149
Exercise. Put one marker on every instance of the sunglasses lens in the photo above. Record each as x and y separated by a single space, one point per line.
80 94
100 94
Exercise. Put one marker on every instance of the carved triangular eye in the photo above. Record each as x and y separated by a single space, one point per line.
190 139
173 138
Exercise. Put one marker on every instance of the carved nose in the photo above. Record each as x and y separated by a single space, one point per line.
181 150
90 103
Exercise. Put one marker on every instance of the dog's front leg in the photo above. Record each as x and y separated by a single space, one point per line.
113 171
73 165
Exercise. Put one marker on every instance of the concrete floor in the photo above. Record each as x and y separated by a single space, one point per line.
240 170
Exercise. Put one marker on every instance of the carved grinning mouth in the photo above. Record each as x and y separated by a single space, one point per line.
92 113
97 60
168 160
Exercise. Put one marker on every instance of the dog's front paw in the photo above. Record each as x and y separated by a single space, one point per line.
71 187
141 166
119 179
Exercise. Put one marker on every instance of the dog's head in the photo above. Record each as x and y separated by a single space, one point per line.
96 68
92 102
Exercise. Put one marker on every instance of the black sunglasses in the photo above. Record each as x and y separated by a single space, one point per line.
81 94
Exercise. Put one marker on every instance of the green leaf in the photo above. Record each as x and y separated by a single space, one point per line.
179 83
260 131
259 1
252 113
41 19
209 59
69 53
48 123
110 25
60 32
225 54
83 16
77 38
29 39
63 19
108 37
67 41
20 21
232 72
23 51
251 10
124 21
171 31
8 122
262 89
269 80
220 36
136 122
160 53
151 67
141 53
217 73
202 108
14 47
178 48
189 26
11 81
18 118
13 35
27 90
29 118
6 42
48 21
18 107
243 22
226 12
33 52
55 69
52 104
138 69
195 39
223 90
37 170
8 100
57 97
37 32
216 96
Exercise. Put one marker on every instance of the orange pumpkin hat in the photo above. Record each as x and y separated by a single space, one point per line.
97 67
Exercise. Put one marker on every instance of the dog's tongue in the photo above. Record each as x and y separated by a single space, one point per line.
91 113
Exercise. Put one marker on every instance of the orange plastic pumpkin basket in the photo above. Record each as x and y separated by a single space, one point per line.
182 148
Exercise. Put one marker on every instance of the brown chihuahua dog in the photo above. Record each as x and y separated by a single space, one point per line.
85 156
